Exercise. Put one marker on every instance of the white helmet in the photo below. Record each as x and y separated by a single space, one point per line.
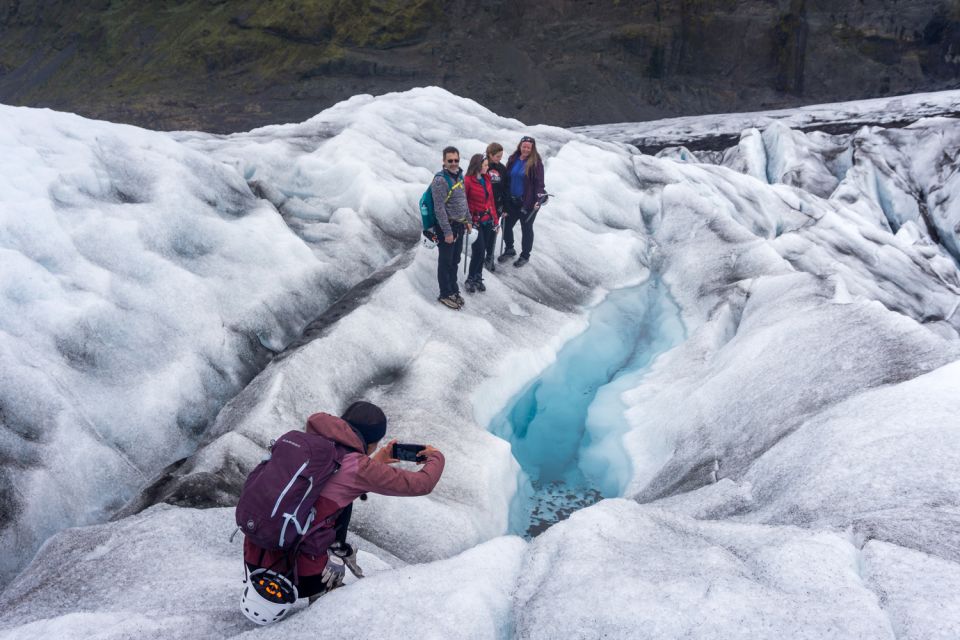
267 596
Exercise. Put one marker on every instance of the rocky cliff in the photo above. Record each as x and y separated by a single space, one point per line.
225 66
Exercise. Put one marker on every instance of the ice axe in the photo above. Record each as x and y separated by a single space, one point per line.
503 219
542 199
466 248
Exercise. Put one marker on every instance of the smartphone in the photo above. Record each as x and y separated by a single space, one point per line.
408 452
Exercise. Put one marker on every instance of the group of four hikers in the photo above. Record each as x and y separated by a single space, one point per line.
489 196
295 506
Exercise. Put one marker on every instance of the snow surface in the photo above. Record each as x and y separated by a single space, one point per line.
668 576
791 460
139 279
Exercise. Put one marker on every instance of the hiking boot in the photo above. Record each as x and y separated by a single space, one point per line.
506 255
480 286
471 286
449 301
490 265
459 298
521 261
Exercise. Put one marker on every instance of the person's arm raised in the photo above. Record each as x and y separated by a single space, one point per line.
377 476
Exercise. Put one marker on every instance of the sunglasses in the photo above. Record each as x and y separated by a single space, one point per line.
453 162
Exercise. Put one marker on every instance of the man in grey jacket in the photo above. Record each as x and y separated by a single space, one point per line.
453 218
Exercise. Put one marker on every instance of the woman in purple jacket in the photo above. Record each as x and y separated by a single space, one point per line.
525 171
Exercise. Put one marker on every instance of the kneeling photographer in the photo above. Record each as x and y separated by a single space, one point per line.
308 558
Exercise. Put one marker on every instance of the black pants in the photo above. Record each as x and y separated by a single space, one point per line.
482 249
516 214
449 260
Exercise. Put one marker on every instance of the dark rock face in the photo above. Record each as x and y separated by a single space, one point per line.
225 66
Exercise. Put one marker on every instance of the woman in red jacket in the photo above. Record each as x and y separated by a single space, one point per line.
483 210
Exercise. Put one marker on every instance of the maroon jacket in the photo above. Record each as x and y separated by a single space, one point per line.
358 474
480 200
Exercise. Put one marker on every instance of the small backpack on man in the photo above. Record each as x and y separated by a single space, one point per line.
428 216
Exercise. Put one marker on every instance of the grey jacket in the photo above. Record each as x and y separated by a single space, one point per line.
452 210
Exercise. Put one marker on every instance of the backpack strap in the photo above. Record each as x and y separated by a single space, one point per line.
451 184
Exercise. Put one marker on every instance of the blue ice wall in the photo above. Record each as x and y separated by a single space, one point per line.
546 423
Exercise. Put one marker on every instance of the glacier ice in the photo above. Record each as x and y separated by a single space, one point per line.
671 132
790 458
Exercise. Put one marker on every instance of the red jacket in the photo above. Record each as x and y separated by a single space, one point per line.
358 474
480 200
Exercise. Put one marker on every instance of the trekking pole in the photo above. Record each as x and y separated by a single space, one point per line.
466 247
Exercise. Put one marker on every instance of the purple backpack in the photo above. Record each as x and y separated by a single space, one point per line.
276 503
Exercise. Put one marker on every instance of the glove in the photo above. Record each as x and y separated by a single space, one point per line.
348 554
332 576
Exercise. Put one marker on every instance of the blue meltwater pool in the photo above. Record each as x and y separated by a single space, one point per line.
566 427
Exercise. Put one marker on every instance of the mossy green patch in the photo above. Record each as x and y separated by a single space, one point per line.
384 23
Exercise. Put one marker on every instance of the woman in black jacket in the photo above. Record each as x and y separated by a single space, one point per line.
525 186
499 179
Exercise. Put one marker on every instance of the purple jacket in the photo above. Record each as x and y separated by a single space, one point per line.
358 474
532 182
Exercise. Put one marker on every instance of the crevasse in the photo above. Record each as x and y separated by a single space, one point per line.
566 427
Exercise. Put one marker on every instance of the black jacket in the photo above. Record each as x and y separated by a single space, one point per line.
500 180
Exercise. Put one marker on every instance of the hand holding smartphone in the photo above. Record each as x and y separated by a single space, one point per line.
408 452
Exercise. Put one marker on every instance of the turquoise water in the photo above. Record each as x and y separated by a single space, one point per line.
565 428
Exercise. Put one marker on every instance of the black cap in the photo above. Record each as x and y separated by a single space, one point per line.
368 420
